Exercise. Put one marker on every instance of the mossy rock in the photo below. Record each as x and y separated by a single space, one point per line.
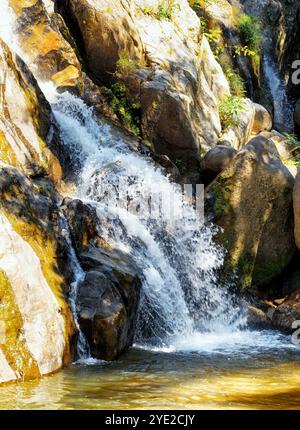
251 200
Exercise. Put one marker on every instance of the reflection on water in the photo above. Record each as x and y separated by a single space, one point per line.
244 374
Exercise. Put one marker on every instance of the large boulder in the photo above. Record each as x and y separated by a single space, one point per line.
252 202
36 324
106 30
109 295
262 119
296 201
239 133
215 161
179 85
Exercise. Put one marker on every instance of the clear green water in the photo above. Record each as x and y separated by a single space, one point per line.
250 371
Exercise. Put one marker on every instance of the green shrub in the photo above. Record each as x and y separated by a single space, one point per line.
250 29
230 108
165 10
127 112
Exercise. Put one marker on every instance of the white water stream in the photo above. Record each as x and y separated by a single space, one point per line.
283 111
174 251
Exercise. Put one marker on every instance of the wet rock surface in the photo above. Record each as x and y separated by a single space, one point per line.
109 295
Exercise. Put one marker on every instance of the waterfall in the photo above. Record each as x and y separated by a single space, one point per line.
83 350
283 113
170 245
173 249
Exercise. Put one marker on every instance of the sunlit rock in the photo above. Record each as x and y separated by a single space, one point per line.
262 119
252 202
35 270
166 64
42 45
27 127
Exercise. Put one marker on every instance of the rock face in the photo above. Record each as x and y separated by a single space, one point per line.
108 298
284 316
262 120
37 325
252 202
27 127
166 64
43 46
106 30
296 201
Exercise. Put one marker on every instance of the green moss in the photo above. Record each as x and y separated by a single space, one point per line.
230 108
129 113
165 10
220 205
263 274
244 270
126 65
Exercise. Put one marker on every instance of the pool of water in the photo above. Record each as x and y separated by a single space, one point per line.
242 370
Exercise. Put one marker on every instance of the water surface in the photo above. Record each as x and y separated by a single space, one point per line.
246 370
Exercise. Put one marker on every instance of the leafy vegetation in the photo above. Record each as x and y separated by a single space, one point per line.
294 144
230 108
199 4
250 29
125 65
127 112
165 10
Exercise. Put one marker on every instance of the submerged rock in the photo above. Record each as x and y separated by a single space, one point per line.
252 202
286 316
108 298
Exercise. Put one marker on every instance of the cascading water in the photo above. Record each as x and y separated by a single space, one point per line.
283 113
176 255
